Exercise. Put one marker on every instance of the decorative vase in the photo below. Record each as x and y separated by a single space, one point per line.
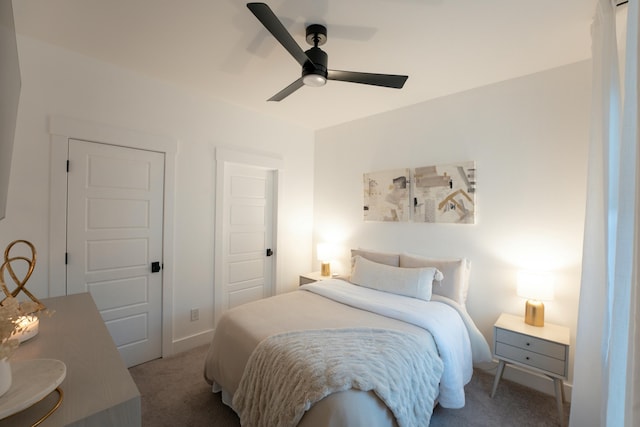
5 375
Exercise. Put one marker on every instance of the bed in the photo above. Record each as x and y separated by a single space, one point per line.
379 349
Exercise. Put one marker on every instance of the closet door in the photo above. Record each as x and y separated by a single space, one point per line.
114 241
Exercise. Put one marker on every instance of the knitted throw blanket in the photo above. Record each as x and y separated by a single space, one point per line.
287 373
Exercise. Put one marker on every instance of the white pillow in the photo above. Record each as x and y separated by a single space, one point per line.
375 256
455 284
411 282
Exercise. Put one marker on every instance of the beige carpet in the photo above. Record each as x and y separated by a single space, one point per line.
174 394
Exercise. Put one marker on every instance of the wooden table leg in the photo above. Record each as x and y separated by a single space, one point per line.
496 380
557 382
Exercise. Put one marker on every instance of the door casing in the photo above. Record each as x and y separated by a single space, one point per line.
226 156
61 130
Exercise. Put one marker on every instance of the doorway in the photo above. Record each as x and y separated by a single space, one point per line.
246 228
62 131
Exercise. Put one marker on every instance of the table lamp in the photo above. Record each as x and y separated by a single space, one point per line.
535 286
325 253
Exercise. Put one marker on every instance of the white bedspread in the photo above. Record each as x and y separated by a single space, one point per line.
288 373
441 320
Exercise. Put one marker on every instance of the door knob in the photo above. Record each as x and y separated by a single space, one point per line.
269 252
155 266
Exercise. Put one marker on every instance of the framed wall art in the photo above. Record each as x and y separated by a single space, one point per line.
434 194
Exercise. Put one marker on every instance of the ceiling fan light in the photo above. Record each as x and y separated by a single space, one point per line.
314 80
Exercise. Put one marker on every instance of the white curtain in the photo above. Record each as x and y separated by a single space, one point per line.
606 387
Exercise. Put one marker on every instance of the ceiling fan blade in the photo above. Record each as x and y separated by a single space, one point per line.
386 80
275 27
287 90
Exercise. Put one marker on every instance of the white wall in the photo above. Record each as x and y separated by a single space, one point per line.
58 82
529 138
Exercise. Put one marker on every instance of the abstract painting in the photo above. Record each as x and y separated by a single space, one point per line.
386 195
445 193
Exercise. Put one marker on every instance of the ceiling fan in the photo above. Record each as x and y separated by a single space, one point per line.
314 60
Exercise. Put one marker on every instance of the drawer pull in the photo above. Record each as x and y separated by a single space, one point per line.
527 357
528 344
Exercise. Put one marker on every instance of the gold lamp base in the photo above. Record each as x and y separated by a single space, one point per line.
534 313
325 269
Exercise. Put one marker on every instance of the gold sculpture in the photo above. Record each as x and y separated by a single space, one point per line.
20 284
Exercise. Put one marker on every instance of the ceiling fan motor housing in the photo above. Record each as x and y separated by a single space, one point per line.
318 65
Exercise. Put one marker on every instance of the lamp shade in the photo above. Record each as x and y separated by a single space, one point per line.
325 252
535 285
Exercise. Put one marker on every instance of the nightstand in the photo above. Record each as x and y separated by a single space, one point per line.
312 277
543 349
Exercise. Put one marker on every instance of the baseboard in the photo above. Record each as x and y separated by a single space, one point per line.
538 382
192 341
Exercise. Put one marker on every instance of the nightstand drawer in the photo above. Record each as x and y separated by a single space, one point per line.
530 358
529 343
304 280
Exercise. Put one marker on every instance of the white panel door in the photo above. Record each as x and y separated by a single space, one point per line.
248 234
114 233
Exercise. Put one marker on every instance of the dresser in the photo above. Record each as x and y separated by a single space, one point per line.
98 389
542 349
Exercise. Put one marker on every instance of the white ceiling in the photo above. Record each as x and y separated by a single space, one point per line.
219 49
